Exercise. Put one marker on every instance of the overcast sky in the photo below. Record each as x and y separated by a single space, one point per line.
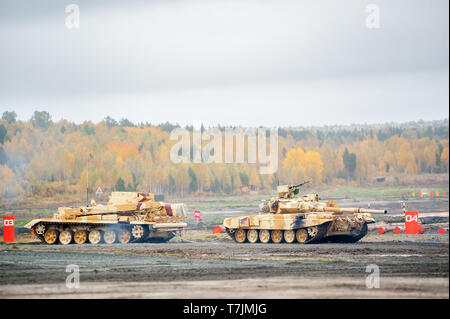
269 63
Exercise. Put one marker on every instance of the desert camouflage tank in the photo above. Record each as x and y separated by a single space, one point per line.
289 218
128 217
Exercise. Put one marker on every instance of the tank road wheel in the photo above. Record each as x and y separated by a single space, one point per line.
109 236
240 235
289 236
95 236
124 237
264 236
65 237
301 235
39 229
276 236
80 237
252 236
51 236
312 231
138 232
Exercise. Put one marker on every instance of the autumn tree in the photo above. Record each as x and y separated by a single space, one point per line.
444 159
110 122
299 166
405 159
125 122
42 120
193 185
2 133
2 156
349 160
120 185
8 183
9 117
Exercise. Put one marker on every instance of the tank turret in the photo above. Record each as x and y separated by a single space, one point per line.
289 191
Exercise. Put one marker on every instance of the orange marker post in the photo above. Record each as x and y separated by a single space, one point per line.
8 229
420 229
218 230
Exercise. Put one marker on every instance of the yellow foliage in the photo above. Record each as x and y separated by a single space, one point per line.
303 165
123 150
444 157
46 162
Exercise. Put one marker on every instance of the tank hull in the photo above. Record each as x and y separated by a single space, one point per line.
311 227
128 217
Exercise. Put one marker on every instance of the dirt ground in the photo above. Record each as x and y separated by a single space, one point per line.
222 269
268 288
207 265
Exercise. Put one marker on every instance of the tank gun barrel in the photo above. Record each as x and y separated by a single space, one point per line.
354 210
304 207
298 185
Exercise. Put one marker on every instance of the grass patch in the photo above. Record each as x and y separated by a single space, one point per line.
205 236
378 192
42 212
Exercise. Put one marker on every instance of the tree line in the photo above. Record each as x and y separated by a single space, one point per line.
44 158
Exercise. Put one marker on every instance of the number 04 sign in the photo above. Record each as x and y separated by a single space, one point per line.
412 223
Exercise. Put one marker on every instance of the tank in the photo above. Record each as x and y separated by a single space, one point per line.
127 217
303 219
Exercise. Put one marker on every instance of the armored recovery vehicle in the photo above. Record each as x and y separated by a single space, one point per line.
127 217
305 219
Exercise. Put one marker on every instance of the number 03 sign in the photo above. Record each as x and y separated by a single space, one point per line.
412 223
8 229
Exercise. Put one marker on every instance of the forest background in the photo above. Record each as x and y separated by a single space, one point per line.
43 159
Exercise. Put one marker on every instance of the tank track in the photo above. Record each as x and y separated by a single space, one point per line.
319 237
348 238
89 227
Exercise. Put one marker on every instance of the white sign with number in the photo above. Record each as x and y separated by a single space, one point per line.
410 218
8 222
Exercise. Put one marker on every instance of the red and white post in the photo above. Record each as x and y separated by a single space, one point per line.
197 216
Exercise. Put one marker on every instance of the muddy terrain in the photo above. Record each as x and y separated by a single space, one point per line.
407 269
207 265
